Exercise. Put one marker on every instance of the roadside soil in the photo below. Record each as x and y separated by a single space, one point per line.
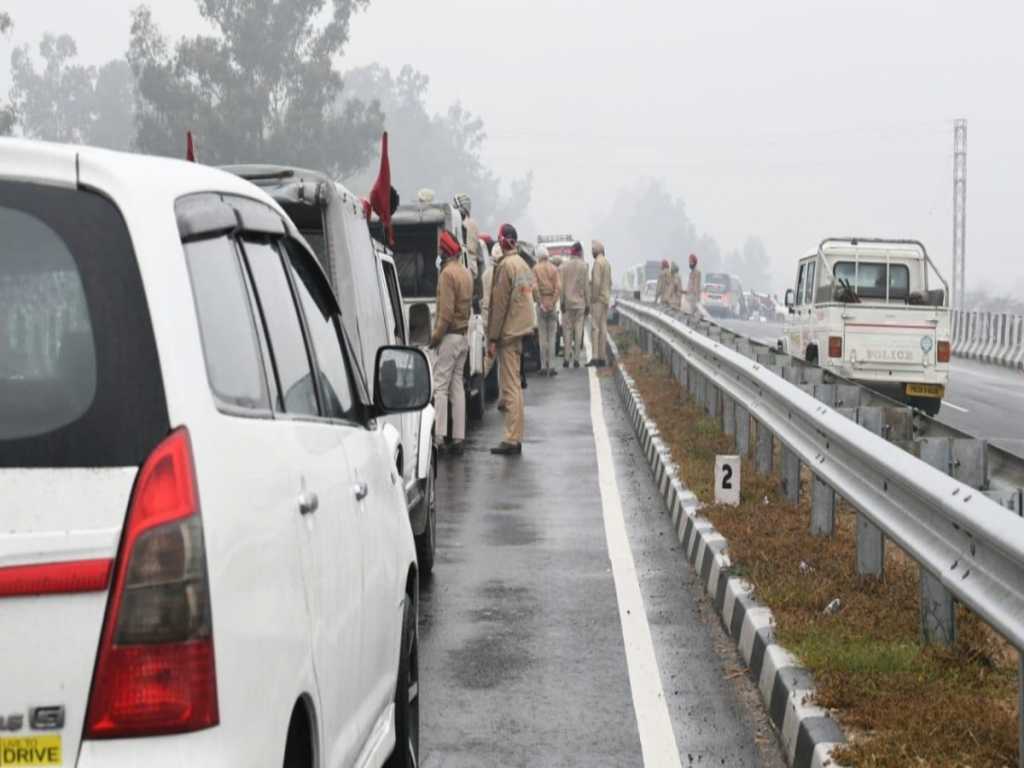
901 703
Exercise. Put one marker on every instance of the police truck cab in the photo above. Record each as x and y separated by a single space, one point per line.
869 310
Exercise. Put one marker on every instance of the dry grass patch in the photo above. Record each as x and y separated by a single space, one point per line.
902 704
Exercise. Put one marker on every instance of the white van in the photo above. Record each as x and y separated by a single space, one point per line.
417 227
867 309
205 555
333 221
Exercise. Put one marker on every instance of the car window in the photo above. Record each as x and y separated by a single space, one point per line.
811 269
226 324
800 283
395 298
284 330
323 323
76 343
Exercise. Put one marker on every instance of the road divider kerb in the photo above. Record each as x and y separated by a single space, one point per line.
806 732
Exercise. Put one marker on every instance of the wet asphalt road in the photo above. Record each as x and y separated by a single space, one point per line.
522 661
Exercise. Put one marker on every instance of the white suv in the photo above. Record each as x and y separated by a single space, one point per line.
205 554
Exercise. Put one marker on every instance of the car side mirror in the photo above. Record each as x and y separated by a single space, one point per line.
790 299
402 380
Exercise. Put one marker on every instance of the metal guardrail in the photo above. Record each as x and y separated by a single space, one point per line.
971 544
991 337
969 548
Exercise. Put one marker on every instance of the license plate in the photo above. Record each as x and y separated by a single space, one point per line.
926 390
31 750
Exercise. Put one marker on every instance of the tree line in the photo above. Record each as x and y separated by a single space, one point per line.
261 86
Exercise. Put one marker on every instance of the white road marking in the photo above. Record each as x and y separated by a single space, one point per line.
657 739
947 404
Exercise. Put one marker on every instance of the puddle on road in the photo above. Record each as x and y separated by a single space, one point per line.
510 530
498 655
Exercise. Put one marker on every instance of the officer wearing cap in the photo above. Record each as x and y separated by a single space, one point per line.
454 303
510 318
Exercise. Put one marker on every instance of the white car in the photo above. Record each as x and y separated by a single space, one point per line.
332 220
205 555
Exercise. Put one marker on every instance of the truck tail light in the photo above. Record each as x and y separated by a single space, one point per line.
155 668
942 352
835 346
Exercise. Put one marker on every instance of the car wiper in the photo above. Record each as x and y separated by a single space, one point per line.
284 173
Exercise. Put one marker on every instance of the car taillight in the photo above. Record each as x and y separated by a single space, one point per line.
835 346
942 352
155 668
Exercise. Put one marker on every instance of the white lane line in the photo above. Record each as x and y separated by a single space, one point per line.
947 404
657 739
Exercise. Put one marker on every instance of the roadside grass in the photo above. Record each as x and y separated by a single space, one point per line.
901 704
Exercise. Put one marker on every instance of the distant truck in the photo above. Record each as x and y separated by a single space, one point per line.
418 228
866 309
635 278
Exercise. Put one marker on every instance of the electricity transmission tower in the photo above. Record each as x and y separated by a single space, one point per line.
959 211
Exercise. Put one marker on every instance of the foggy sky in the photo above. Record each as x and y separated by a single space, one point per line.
791 120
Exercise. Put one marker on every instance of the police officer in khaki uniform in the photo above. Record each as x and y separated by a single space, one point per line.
600 299
575 306
549 292
676 289
510 318
692 293
454 303
663 291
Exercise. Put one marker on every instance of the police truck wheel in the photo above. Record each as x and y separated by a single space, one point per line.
426 542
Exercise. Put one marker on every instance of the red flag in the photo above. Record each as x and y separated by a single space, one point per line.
382 195
190 149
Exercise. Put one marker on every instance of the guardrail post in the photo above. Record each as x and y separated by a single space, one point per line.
742 431
790 470
969 462
938 609
712 400
847 396
823 509
823 498
765 449
870 540
728 415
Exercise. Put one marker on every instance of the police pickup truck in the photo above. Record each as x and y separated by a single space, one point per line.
866 310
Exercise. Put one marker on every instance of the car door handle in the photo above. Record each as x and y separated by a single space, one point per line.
309 502
361 490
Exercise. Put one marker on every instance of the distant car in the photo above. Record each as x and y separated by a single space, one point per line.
205 556
722 295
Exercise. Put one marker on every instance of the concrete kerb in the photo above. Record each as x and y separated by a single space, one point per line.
808 733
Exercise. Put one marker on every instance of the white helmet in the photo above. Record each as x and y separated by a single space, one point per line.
541 253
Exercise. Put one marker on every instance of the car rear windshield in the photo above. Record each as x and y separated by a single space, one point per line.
80 382
717 282
416 259
869 279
